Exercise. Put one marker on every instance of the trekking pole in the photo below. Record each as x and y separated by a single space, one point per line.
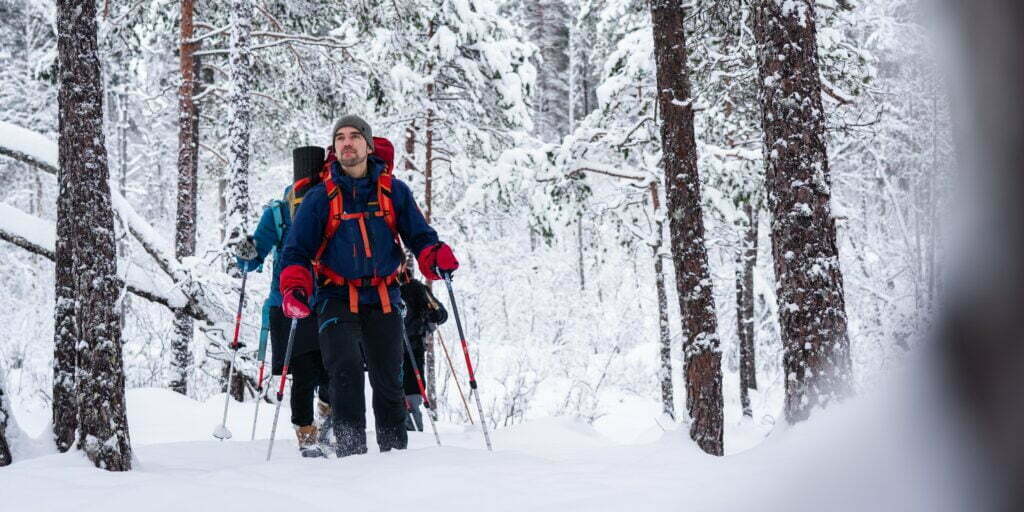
262 355
423 391
451 367
473 389
221 431
280 390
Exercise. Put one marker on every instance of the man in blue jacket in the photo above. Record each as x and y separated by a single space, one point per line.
347 230
306 365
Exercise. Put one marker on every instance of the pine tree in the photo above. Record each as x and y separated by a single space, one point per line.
103 422
703 360
185 223
812 311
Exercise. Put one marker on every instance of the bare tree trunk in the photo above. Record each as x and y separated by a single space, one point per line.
747 262
702 357
240 126
103 430
185 225
5 419
430 354
579 249
668 404
812 312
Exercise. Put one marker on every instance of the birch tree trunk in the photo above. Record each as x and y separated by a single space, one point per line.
812 312
702 357
103 422
185 223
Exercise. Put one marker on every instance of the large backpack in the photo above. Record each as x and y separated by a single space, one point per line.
336 214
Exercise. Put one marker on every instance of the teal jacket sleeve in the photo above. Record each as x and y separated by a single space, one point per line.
265 238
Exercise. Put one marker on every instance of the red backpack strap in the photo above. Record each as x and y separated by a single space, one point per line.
386 205
334 214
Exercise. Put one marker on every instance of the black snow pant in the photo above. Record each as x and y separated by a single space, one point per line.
309 377
306 367
347 340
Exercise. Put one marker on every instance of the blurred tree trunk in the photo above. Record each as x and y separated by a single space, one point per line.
982 327
702 358
812 311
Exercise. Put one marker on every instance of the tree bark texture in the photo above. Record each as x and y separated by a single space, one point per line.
103 422
65 329
185 224
240 127
747 262
702 357
812 313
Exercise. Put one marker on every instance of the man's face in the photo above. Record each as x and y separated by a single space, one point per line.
350 147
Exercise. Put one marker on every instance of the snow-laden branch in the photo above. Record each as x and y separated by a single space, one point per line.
641 180
38 236
29 147
41 152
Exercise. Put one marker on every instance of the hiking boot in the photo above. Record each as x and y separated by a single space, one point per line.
308 443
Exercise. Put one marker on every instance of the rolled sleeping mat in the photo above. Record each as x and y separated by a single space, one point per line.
306 162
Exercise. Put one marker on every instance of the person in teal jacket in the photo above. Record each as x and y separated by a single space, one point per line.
310 380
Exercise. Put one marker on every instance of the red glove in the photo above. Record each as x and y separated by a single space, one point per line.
437 257
296 285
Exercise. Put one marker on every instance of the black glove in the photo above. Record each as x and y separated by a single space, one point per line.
246 249
438 316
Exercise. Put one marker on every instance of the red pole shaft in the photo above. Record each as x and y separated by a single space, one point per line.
238 316
259 380
469 364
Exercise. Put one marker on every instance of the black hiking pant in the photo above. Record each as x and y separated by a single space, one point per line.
310 378
306 367
348 341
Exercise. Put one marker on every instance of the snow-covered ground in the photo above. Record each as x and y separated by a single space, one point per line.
888 455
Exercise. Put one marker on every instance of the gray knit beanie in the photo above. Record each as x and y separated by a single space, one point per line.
357 123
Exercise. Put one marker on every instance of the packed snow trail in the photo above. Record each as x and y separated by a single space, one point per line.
855 457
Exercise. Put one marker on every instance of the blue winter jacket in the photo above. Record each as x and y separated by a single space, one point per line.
345 254
267 240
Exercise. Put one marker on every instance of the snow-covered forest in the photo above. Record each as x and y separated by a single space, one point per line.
685 230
